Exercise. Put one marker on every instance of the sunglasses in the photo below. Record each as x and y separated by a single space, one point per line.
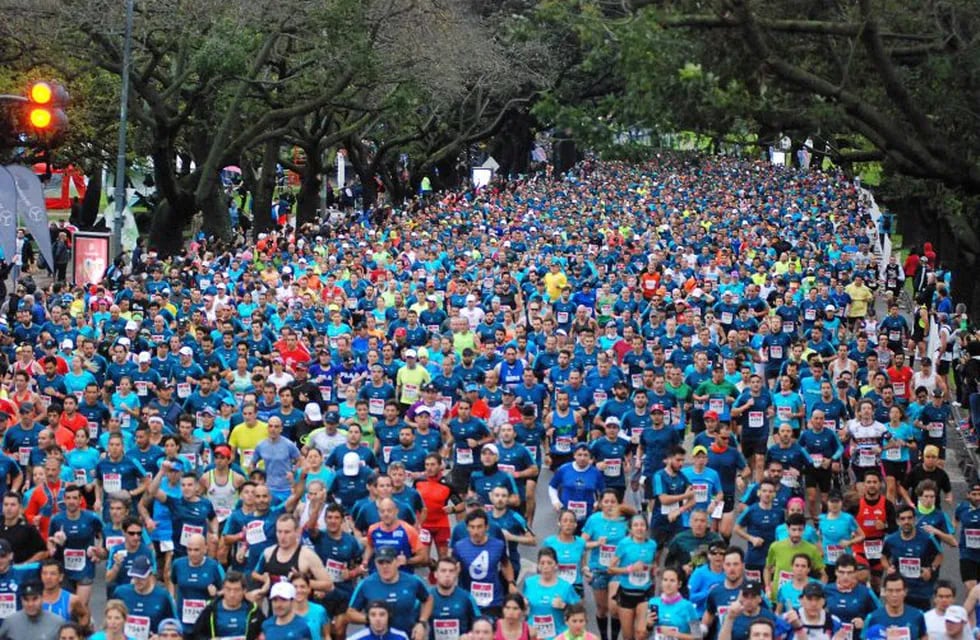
134 533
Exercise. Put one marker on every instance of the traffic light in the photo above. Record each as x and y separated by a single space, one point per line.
45 114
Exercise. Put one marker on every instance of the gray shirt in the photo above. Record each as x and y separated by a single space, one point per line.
42 627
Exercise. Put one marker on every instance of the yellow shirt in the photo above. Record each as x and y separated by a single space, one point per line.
554 283
860 298
244 439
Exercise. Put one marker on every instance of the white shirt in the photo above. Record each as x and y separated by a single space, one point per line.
936 627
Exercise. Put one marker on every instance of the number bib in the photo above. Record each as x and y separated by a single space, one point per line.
74 559
187 532
579 508
445 629
700 492
613 468
563 444
776 352
138 627
334 569
568 572
544 625
639 578
872 549
606 553
255 532
910 568
756 419
936 429
834 551
464 456
717 405
112 482
972 538
482 593
183 390
376 406
23 455
191 610
893 454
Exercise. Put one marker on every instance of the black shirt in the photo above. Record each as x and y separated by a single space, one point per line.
24 539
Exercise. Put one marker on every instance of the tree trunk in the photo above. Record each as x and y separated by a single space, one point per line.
262 200
214 209
308 199
169 222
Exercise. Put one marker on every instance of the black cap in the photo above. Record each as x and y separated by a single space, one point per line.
751 589
835 494
937 393
5 548
386 553
30 588
813 590
528 410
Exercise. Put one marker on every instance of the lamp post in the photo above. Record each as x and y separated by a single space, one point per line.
120 191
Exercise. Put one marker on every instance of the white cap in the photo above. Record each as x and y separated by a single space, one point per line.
955 613
612 420
283 590
410 353
144 356
67 344
186 351
123 341
492 448
312 412
132 326
287 269
352 464
471 298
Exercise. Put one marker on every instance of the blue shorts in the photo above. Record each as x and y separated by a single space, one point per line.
600 579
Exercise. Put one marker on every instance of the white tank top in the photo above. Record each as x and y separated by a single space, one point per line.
224 497
929 382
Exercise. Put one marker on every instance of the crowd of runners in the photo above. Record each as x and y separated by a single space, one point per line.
340 432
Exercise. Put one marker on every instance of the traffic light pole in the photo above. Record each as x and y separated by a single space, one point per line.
120 191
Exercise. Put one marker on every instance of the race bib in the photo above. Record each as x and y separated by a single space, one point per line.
23 455
898 633
756 419
112 482
247 455
191 610
183 389
810 314
834 551
386 453
667 509
255 532
562 317
817 459
872 549
137 627
784 577
222 513
666 633
187 531
568 572
544 625
894 336
464 456
776 352
972 538
74 559
936 429
753 575
142 388
376 406
80 476
112 541
579 508
893 454
606 554
789 479
445 629
533 451
482 593
848 630
598 397
334 569
784 413
700 492
410 393
717 405
898 388
639 578
866 458
637 380
563 444
910 568
613 468
424 536
93 430
726 317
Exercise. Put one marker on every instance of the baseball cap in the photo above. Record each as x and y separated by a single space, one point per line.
937 393
312 412
283 591
612 420
141 568
26 407
144 356
492 448
751 589
132 326
186 351
429 387
332 416
657 408
955 613
507 391
352 464
208 411
171 624
473 501
410 353
710 415
223 450
830 307
385 553
813 590
699 449
67 344
5 548
33 588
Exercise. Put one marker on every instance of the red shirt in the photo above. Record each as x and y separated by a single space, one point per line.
901 380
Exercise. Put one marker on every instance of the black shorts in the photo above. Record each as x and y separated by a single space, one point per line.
818 479
459 479
894 469
729 503
943 367
630 599
558 459
753 447
337 602
969 570
662 535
